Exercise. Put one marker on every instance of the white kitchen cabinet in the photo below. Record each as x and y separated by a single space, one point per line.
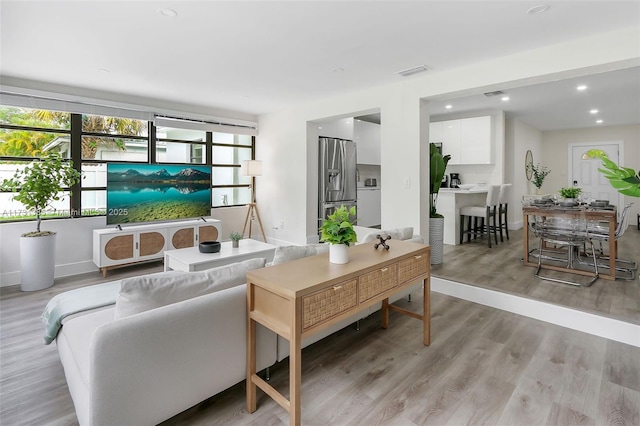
435 132
467 140
475 140
367 137
113 247
369 207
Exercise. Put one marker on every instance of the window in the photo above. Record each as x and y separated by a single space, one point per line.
229 186
95 140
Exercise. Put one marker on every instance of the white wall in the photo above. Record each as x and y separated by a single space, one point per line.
519 137
287 191
292 191
555 152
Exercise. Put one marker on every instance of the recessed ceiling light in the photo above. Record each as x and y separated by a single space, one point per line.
599 121
104 70
537 10
448 106
169 12
319 127
338 70
581 87
504 98
593 111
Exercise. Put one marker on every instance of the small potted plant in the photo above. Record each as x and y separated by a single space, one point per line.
337 230
538 174
38 185
235 238
570 193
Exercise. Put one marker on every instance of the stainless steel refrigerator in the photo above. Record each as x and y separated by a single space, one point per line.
337 175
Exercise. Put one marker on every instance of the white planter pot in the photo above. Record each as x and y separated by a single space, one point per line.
436 239
338 253
37 262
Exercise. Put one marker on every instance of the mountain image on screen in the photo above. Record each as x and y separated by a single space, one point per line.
156 192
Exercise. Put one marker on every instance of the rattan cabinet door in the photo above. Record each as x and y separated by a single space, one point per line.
151 243
328 302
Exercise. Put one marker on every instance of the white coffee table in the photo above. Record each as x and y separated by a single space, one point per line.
190 259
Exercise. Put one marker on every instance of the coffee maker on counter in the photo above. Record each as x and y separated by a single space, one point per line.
455 181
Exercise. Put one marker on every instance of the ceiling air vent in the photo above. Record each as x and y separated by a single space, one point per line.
414 70
496 93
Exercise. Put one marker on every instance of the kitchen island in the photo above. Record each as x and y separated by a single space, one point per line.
450 201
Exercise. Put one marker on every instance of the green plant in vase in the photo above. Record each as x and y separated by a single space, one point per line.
235 237
337 230
571 192
539 173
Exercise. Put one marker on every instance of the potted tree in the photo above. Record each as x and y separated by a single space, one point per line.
437 167
37 186
337 230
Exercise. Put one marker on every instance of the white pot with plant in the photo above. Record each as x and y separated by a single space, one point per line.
337 230
235 238
437 166
38 185
570 194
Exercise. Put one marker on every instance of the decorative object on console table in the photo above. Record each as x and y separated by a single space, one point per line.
235 238
382 242
38 185
437 166
539 174
252 168
337 230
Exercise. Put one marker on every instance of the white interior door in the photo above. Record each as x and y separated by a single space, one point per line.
585 174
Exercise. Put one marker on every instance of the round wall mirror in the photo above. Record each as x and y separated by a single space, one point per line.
528 163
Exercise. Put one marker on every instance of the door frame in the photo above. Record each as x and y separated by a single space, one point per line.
620 145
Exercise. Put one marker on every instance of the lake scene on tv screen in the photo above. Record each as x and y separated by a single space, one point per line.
156 192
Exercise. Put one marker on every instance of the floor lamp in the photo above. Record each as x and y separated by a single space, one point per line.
252 168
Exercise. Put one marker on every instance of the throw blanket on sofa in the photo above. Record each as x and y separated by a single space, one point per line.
74 301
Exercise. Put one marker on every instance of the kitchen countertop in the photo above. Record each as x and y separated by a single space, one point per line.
478 190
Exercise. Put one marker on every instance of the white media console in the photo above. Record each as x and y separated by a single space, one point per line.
115 247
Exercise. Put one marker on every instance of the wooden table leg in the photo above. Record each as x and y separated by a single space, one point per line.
251 354
385 313
295 367
613 253
426 310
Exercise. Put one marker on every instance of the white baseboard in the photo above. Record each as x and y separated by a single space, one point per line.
13 278
608 328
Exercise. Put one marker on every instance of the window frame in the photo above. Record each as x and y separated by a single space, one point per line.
76 133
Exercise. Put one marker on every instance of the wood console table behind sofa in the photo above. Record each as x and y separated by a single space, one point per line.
299 298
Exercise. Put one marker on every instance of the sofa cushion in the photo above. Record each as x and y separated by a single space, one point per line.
287 253
139 294
395 235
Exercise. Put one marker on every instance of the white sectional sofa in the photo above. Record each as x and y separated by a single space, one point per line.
171 340
145 367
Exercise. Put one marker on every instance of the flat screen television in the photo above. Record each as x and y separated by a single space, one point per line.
157 192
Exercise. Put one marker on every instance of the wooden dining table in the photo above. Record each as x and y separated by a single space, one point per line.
583 212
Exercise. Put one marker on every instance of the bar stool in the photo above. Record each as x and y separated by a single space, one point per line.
487 215
503 208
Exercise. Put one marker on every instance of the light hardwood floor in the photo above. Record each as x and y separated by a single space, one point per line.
484 366
499 268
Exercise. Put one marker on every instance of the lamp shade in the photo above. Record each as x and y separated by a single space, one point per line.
251 168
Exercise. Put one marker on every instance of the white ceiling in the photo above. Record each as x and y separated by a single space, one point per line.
262 56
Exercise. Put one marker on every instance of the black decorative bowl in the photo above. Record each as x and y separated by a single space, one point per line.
209 247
